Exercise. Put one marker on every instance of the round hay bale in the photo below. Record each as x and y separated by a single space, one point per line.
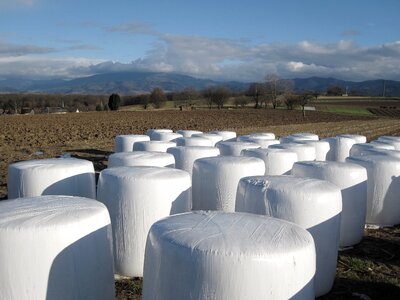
55 176
218 255
136 197
55 247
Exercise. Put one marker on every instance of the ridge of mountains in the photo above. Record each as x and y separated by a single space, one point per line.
128 83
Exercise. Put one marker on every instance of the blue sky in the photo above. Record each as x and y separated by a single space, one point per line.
226 40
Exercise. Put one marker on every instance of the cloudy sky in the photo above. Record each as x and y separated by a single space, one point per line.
226 40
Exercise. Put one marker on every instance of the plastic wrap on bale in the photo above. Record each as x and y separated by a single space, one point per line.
339 148
156 146
188 133
141 158
215 138
352 180
194 141
56 176
383 188
357 137
218 255
215 180
151 130
277 161
304 152
321 148
296 137
254 137
235 148
313 204
164 136
185 156
260 140
124 143
136 197
55 247
226 135
388 140
361 148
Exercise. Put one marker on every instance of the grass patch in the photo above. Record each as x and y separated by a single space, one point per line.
349 110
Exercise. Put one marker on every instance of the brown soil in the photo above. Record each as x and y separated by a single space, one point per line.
371 268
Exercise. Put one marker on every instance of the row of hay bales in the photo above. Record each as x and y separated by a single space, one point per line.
198 215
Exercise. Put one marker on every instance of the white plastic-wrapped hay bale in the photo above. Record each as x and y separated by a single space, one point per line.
304 152
56 176
339 148
295 137
194 141
165 136
306 136
383 188
360 139
55 247
352 181
188 133
136 197
265 135
359 149
385 152
277 161
260 136
218 255
391 140
185 156
150 131
321 148
215 180
235 148
226 135
260 140
311 203
124 143
157 146
215 138
141 158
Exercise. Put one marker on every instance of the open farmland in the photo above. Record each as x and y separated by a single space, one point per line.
371 268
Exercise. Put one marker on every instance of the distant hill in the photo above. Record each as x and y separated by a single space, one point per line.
123 82
128 83
373 88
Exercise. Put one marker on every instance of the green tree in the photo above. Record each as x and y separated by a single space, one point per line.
114 102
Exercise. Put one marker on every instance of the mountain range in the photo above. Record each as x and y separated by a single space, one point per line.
128 83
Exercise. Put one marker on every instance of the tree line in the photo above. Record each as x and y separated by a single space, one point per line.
273 92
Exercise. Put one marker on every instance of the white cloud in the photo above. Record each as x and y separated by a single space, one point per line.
9 49
223 59
45 67
132 28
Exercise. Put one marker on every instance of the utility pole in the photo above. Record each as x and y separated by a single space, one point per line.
384 89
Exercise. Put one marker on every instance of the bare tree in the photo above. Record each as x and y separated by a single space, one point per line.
241 101
304 99
256 91
276 86
217 95
157 97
